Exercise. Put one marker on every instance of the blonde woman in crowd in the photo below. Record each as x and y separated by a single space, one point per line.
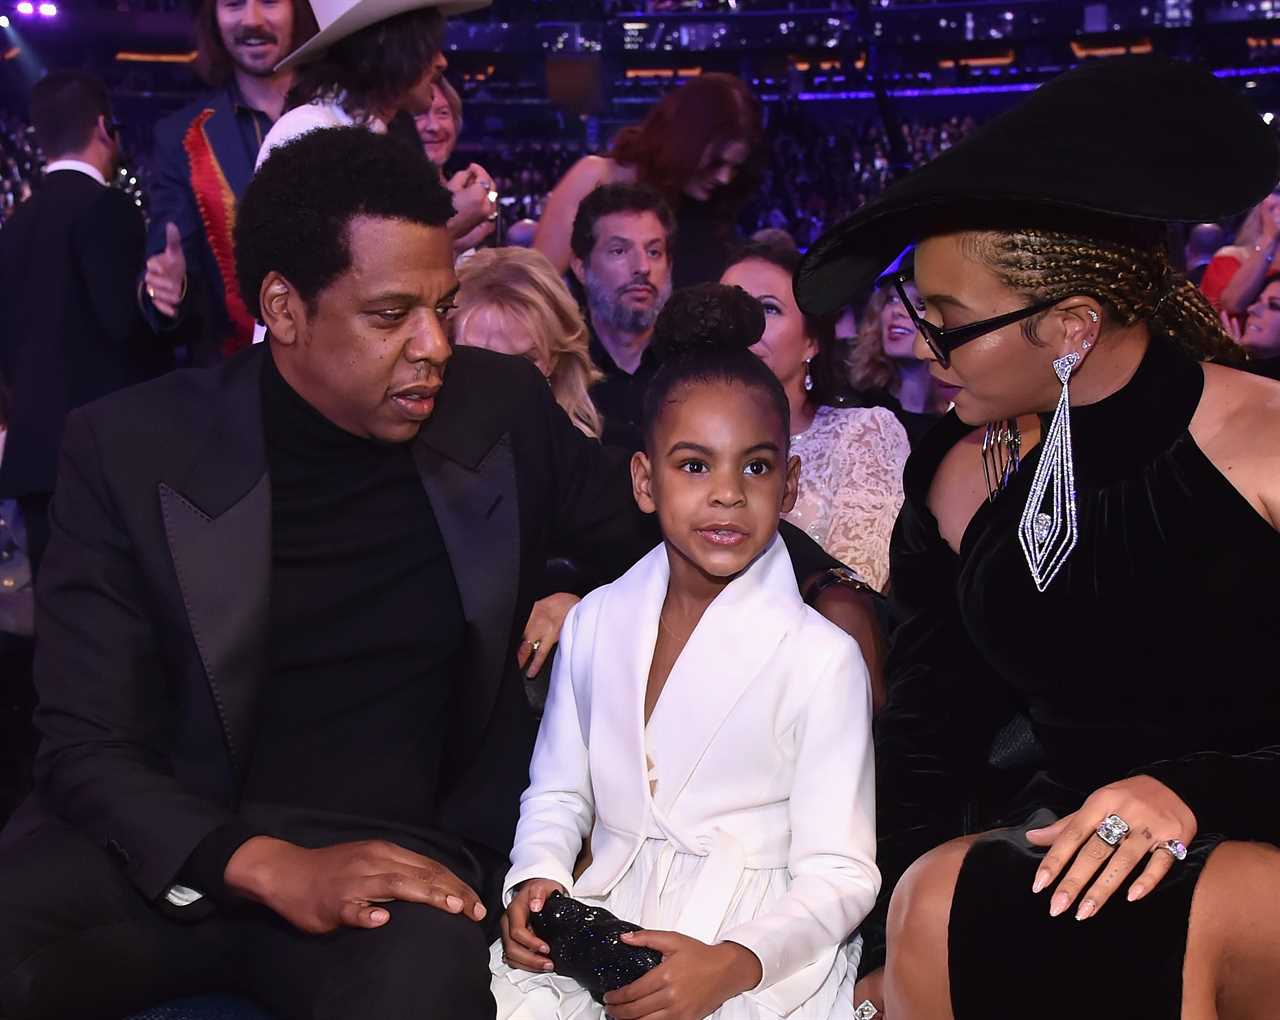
512 301
884 371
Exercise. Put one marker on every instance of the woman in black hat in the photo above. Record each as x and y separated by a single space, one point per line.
1099 559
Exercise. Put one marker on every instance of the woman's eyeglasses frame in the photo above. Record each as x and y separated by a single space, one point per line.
943 341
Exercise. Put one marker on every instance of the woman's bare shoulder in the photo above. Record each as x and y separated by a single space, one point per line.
1237 427
592 171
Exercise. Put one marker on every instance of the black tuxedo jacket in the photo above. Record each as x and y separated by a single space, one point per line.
70 329
153 597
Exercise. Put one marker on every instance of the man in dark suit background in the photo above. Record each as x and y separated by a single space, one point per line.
70 330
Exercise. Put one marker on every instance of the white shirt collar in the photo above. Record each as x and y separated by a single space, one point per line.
75 164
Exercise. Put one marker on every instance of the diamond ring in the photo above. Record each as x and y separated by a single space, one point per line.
535 644
866 1010
1175 848
1112 830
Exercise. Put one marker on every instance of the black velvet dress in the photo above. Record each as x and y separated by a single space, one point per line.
1155 651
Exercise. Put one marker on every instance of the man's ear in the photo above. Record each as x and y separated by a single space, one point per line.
282 308
579 269
642 482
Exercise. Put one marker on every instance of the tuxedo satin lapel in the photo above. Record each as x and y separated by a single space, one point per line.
478 514
622 653
217 518
733 641
224 570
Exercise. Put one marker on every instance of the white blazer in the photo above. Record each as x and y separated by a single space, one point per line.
770 764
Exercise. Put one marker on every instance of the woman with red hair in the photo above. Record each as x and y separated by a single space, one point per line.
698 146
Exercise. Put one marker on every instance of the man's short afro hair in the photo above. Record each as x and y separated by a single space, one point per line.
294 215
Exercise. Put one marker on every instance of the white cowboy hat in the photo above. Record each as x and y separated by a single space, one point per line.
338 19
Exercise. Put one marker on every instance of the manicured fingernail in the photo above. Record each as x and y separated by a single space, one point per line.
545 951
379 916
548 965
453 903
1134 892
479 911
1086 910
1042 879
535 905
1059 903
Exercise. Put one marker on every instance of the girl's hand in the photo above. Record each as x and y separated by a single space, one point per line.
692 982
1153 812
521 948
543 631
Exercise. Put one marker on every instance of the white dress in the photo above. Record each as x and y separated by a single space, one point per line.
717 854
653 894
851 461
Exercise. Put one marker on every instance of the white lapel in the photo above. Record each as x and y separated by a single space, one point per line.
622 651
736 636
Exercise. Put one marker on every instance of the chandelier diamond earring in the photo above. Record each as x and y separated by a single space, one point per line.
1048 531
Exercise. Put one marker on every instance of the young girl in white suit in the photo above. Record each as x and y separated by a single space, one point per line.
705 729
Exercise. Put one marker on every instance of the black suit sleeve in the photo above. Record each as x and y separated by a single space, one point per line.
105 703
594 516
108 243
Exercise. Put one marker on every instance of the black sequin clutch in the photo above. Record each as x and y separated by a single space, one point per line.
585 945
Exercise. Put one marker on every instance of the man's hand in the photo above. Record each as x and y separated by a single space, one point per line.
166 277
341 886
520 946
692 981
472 205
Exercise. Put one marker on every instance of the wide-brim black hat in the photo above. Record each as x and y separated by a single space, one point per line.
1141 138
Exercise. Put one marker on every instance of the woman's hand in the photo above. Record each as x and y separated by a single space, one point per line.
520 946
870 988
543 631
1153 812
1230 325
692 982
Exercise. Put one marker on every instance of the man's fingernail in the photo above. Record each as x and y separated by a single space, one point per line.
1134 892
453 903
378 916
1059 903
1086 910
1042 879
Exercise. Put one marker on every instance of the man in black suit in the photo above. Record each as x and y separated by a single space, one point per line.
284 732
70 329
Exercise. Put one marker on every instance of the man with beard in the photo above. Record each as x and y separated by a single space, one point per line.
621 245
205 155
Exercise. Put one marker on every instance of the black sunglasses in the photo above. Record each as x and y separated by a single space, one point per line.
943 341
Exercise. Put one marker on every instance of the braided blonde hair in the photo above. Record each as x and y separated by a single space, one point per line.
1130 275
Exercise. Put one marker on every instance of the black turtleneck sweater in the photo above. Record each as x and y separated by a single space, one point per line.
366 624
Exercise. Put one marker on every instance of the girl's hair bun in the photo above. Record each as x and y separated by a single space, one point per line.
705 318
